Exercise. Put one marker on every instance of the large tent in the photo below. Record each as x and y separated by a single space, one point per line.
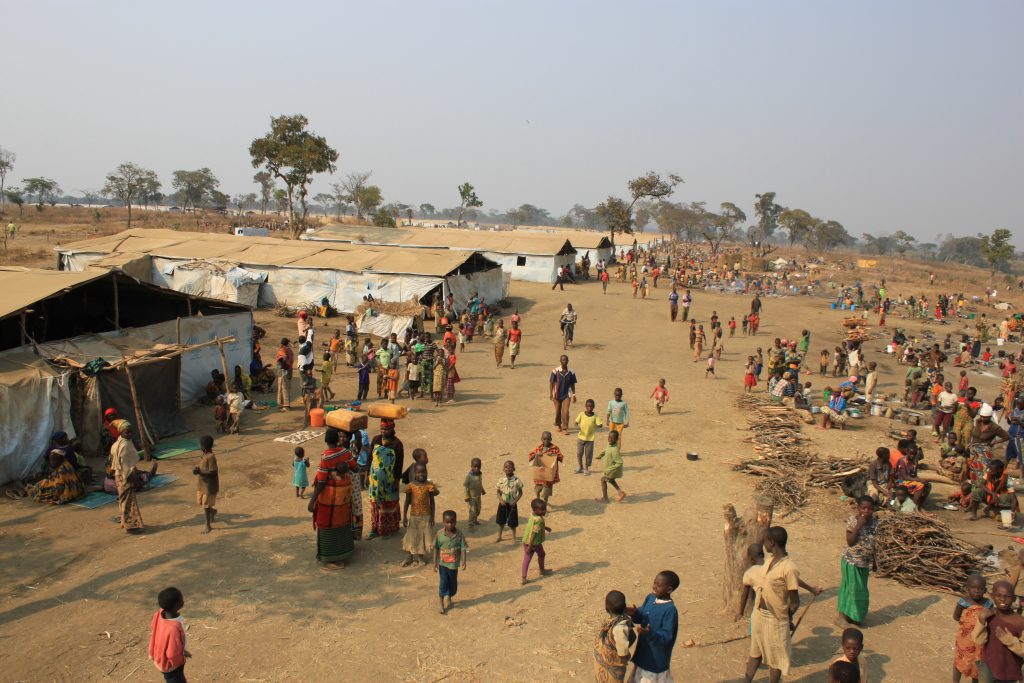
267 271
528 256
72 344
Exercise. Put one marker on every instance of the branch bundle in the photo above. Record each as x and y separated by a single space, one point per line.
916 550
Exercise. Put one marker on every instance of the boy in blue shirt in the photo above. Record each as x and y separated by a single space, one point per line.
657 623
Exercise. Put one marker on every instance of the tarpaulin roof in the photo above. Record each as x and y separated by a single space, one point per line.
270 251
500 241
23 287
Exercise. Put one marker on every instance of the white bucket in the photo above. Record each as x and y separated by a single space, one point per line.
1007 517
877 409
888 348
1000 341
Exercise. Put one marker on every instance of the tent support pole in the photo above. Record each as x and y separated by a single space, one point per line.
224 363
24 333
146 446
177 330
117 308
188 300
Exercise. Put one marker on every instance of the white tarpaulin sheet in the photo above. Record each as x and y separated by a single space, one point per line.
34 403
224 281
492 286
344 291
383 324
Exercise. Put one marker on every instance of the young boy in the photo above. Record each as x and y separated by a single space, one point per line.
588 423
209 481
999 634
533 538
660 395
310 398
167 638
450 550
419 495
710 372
732 326
334 348
823 363
745 323
235 401
363 372
843 672
326 372
412 376
611 651
853 644
474 489
510 490
617 418
220 414
904 503
612 468
419 457
657 625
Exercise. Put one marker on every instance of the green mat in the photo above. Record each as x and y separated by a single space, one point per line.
172 449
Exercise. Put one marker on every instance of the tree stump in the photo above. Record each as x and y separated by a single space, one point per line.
739 534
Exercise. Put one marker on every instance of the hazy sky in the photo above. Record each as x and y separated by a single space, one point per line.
881 115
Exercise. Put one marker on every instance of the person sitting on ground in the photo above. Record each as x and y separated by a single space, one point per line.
61 485
993 492
215 387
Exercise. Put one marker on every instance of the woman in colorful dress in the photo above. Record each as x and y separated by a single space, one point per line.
440 377
331 505
451 378
500 336
855 562
124 460
59 486
385 515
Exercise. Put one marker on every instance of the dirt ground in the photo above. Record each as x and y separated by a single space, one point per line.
77 593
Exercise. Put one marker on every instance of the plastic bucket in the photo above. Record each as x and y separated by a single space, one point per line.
1006 516
833 305
853 307
970 316
842 306
316 417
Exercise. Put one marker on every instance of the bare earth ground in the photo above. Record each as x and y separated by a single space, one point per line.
77 593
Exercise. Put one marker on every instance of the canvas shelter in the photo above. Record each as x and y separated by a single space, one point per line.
528 256
68 342
266 271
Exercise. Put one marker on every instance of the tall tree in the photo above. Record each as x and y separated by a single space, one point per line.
615 214
7 159
43 188
325 200
723 227
997 249
125 183
902 242
282 201
149 189
427 209
827 235
15 196
648 186
266 183
244 201
295 155
195 188
468 199
767 212
352 189
797 224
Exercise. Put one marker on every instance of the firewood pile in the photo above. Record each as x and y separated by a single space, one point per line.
920 551
787 468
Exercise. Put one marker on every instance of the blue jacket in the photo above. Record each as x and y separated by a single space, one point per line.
654 649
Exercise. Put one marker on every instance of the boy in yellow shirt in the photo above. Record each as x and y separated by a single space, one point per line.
588 422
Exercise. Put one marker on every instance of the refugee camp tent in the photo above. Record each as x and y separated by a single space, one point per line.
528 256
68 342
231 268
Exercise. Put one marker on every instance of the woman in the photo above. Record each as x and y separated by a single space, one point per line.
500 336
833 412
383 490
856 561
123 460
59 486
243 380
451 378
993 492
331 505
984 436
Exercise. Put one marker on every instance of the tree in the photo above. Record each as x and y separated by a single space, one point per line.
43 188
266 183
149 189
194 188
282 201
618 216
997 249
385 217
615 214
90 196
244 201
582 217
353 191
366 199
219 200
408 215
126 182
14 196
326 201
797 223
293 154
966 250
723 227
827 235
467 195
427 209
767 212
7 159
902 242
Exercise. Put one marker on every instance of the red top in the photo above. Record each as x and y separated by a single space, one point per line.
329 460
514 335
166 642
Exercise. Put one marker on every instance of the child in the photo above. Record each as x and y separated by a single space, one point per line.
904 503
758 363
412 376
986 357
617 417
588 423
755 554
326 372
710 372
392 375
510 490
853 644
965 383
658 625
966 651
698 343
462 334
998 634
419 457
235 401
419 495
450 550
533 537
871 381
220 414
612 468
310 398
208 482
363 372
167 639
841 671
611 651
823 363
660 395
334 348
474 489
693 333
749 378
350 351
300 479
745 323
732 326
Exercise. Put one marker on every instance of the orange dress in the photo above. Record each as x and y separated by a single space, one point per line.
967 651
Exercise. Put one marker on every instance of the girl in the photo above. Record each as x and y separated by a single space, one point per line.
611 651
300 478
419 495
698 343
451 378
749 378
967 652
439 378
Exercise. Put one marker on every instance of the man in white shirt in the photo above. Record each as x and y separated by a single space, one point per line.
946 403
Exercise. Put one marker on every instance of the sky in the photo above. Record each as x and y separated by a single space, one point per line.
882 115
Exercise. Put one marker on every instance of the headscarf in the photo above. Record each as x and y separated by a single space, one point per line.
110 414
121 426
387 424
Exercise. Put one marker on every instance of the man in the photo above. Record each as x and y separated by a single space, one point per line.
673 304
284 363
515 339
568 318
687 300
755 305
559 279
776 600
562 386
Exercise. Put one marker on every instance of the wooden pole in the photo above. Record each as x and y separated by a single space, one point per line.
739 534
177 330
188 301
224 364
24 332
117 307
143 435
